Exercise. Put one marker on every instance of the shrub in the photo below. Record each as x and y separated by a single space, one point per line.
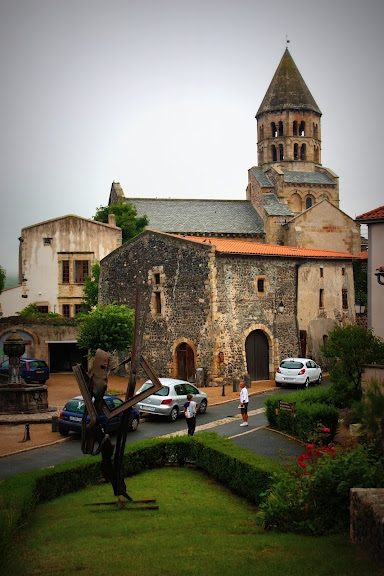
316 501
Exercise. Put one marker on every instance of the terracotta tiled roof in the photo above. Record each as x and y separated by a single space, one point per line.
243 247
362 255
377 213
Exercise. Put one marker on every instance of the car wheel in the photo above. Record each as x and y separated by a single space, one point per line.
320 378
278 384
306 383
173 414
203 407
134 424
64 432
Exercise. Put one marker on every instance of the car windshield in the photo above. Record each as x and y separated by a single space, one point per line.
292 365
164 391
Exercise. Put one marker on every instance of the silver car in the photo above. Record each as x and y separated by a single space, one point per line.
299 371
170 399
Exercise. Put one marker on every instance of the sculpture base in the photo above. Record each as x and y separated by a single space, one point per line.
25 399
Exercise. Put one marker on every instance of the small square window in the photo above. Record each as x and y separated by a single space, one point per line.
47 241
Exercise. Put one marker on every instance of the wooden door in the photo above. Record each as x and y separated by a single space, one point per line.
257 354
185 363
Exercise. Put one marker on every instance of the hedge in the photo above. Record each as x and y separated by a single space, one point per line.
244 473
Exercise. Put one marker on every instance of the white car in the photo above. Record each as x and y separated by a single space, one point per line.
299 372
170 399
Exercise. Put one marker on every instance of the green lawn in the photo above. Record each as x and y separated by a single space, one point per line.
200 528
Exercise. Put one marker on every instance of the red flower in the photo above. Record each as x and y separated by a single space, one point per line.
324 429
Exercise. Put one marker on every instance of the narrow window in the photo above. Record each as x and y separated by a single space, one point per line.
158 302
296 152
81 270
281 152
302 129
321 272
295 128
321 298
303 152
66 311
157 278
281 129
274 153
344 297
308 202
343 271
77 308
273 130
65 272
325 338
315 131
316 153
260 285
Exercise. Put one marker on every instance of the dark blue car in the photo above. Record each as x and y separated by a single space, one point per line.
31 370
71 416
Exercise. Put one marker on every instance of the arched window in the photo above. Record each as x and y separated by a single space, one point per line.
316 153
281 129
295 128
315 131
302 128
303 152
296 152
273 130
308 202
274 153
281 152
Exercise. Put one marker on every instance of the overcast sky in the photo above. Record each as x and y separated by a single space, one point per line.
161 96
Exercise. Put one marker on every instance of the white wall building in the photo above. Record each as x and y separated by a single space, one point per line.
54 258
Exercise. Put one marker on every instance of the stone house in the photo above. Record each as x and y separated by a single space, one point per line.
375 221
229 306
54 258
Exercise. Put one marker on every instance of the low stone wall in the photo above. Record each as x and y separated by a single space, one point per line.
367 520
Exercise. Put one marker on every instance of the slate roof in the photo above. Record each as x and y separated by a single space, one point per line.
262 178
273 207
376 214
287 90
291 177
199 216
230 246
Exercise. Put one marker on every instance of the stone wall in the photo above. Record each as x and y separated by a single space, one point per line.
367 520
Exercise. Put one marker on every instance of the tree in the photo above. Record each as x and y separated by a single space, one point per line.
91 289
2 278
126 218
107 326
348 349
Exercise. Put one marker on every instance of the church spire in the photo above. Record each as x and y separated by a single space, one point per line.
287 91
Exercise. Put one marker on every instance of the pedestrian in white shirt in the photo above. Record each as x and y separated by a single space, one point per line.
244 404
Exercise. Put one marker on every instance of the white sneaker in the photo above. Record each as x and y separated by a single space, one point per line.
244 424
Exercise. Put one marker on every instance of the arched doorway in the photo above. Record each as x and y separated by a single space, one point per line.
185 362
257 354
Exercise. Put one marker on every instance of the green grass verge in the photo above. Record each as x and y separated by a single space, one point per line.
200 528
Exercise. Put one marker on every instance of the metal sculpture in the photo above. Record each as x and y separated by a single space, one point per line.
94 439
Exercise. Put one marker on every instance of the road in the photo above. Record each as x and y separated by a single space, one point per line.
223 419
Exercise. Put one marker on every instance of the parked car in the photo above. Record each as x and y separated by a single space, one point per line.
31 370
298 371
71 416
170 399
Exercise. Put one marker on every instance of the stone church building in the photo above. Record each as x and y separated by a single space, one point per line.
237 285
291 199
